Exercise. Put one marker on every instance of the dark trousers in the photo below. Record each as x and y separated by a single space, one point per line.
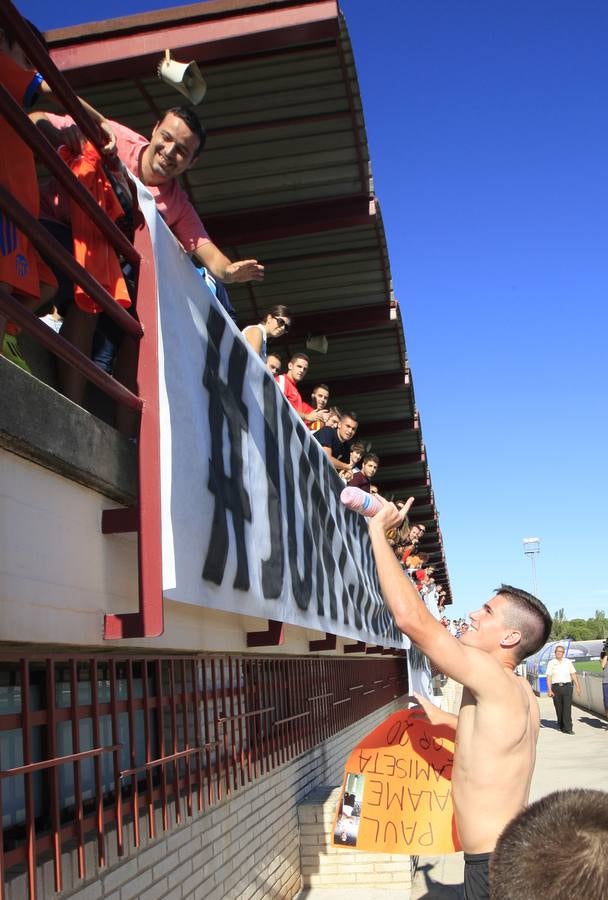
562 701
477 876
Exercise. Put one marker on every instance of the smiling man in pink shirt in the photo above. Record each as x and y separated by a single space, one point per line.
174 147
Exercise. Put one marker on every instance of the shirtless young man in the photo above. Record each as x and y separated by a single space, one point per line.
497 726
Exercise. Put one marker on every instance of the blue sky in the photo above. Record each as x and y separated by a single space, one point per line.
489 140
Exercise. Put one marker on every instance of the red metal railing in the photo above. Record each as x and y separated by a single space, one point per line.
167 738
148 620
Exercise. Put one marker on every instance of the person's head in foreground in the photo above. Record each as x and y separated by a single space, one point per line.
556 849
513 625
276 321
274 363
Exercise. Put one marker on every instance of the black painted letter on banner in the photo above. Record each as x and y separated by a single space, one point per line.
226 405
273 567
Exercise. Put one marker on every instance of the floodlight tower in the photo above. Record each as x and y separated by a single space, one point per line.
531 550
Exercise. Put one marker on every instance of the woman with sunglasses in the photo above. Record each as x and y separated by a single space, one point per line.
275 323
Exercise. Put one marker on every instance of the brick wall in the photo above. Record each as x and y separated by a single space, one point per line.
340 867
246 848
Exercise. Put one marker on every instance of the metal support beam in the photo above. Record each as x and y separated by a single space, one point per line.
392 426
368 384
274 636
134 49
268 223
359 647
402 459
339 321
123 520
404 484
327 643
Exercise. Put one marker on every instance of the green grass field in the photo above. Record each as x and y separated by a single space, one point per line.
591 666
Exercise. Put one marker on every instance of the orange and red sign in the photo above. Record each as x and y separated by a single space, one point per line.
397 790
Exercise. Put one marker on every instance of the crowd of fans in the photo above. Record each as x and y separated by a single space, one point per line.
355 463
457 627
175 144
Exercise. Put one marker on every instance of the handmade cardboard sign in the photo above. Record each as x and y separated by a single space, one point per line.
397 791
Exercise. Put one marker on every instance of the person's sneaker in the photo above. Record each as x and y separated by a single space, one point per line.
10 349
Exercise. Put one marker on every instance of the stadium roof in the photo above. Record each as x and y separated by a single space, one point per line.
285 177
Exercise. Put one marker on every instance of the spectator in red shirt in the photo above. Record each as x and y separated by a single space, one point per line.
415 535
23 273
297 367
319 397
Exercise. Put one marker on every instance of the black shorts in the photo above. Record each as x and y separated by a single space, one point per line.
477 876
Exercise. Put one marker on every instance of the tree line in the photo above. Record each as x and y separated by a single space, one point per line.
595 628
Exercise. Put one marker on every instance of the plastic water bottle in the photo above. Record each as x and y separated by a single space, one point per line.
360 501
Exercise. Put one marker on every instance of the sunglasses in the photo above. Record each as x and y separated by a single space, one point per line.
283 323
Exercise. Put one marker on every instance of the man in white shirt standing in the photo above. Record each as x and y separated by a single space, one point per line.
560 675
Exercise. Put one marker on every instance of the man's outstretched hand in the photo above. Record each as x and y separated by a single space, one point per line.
428 712
244 270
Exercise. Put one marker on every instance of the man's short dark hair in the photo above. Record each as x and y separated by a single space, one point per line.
528 615
350 415
299 356
574 824
323 386
370 457
190 118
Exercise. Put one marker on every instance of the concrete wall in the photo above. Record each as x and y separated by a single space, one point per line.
246 848
59 575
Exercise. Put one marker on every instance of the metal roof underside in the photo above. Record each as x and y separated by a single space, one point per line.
285 177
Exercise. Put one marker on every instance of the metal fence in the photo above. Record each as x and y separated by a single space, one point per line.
90 746
592 697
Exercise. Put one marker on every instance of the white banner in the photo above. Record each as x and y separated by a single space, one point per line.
252 521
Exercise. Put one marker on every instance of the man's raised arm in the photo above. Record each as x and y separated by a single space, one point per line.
467 665
210 256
